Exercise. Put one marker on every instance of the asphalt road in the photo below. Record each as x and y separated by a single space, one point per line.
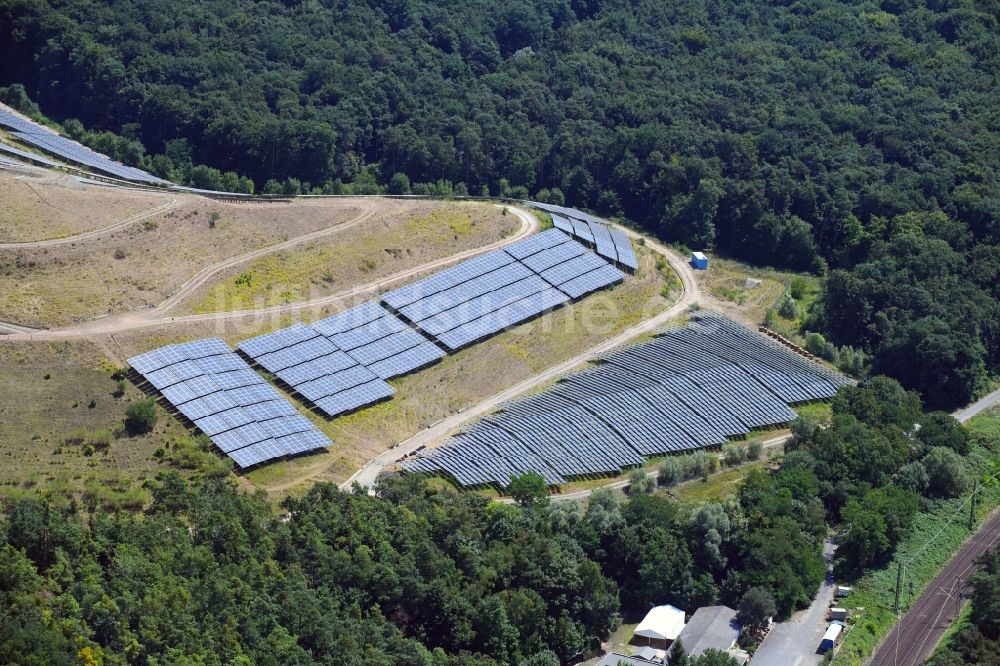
794 643
916 635
984 403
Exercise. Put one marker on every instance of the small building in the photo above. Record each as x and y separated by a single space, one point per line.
711 627
830 637
843 591
661 626
699 261
838 613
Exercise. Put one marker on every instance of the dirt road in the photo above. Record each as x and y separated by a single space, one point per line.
367 475
93 233
914 637
157 316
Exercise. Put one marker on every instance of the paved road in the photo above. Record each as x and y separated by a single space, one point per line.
984 403
794 643
913 639
367 475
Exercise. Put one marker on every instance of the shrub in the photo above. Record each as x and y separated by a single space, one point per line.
787 307
140 417
797 288
671 472
641 482
754 449
733 454
946 473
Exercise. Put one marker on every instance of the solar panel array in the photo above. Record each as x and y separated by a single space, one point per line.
70 150
606 241
492 292
340 363
687 388
239 411
23 154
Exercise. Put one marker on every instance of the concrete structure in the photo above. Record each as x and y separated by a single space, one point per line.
661 626
699 261
830 637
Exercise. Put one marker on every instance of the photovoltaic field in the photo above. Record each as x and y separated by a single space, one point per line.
341 363
685 389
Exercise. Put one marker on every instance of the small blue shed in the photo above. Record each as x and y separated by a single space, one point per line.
699 261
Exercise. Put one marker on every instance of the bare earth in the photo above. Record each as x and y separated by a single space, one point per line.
34 209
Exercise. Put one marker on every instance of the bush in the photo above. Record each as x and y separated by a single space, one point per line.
912 477
733 454
946 473
818 345
140 417
755 449
671 472
797 288
641 482
787 307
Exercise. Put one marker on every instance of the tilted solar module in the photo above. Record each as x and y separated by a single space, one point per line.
624 250
446 279
566 271
216 390
605 276
603 244
536 243
17 152
561 223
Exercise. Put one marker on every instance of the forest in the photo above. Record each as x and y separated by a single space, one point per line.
208 574
852 138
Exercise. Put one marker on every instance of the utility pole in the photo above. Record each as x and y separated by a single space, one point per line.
899 588
972 509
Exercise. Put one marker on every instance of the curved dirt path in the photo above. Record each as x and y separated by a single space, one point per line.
155 317
93 233
367 475
205 274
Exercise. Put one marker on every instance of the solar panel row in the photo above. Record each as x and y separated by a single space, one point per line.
240 412
486 295
607 242
686 388
340 363
71 151
34 157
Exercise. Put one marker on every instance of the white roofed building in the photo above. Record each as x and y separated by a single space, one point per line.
661 626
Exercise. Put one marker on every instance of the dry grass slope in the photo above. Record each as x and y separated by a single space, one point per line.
33 209
422 233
